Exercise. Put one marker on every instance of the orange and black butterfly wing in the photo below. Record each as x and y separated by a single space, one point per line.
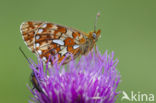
48 39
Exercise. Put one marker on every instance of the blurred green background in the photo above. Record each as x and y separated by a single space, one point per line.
128 28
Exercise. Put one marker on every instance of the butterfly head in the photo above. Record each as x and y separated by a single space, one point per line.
95 35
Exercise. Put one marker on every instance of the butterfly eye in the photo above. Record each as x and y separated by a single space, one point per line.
94 35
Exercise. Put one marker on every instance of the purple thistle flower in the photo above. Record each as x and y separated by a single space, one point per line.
93 79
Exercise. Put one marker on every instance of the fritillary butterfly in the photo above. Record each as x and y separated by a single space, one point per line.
49 39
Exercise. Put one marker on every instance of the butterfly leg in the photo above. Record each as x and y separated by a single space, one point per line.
95 49
97 53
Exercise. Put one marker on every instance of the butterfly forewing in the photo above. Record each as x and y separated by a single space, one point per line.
49 39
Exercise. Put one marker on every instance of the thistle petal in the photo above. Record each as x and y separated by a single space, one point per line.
93 79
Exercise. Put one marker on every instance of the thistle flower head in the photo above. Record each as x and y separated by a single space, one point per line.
93 79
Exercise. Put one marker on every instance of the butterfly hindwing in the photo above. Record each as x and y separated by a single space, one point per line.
48 39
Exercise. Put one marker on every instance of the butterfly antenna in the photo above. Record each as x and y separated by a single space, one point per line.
98 14
24 55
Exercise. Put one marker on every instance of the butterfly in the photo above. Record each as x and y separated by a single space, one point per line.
47 39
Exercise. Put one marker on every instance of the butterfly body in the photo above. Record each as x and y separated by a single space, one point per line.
49 39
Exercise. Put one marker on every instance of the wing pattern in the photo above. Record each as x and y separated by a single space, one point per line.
48 39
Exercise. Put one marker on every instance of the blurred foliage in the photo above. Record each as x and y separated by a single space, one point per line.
128 28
